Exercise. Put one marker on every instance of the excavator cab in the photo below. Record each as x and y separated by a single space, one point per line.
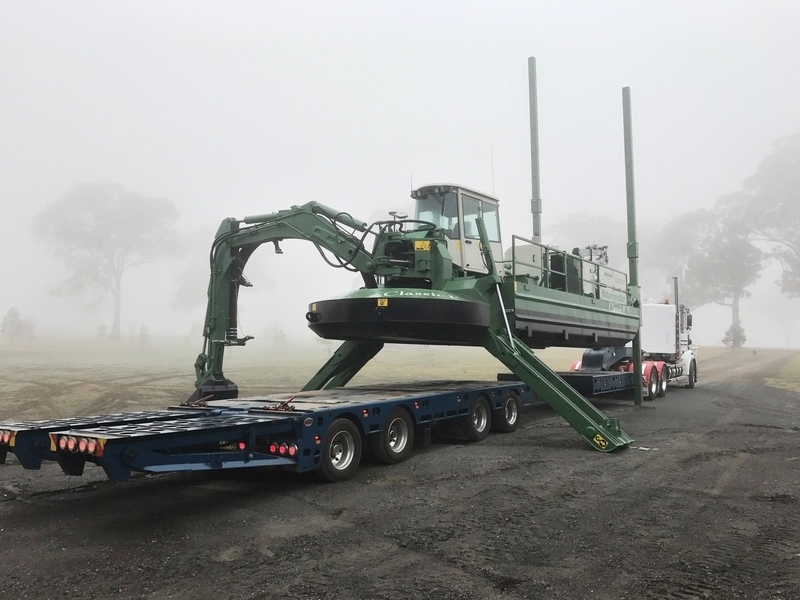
455 209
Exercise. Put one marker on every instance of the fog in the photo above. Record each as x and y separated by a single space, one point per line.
238 108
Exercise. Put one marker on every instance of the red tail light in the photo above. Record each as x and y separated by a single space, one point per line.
5 437
273 447
241 446
62 442
283 449
83 443
72 444
91 446
293 450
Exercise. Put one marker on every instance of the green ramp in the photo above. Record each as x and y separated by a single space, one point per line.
601 432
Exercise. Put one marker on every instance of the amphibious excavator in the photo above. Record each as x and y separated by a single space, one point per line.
432 280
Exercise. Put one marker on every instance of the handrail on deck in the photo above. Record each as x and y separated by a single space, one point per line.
553 278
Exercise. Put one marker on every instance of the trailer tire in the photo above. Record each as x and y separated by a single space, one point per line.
506 418
479 420
663 381
652 385
394 443
692 375
341 451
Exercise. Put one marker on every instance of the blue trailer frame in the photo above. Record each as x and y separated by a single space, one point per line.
239 433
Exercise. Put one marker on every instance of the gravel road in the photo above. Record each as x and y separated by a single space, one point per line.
704 504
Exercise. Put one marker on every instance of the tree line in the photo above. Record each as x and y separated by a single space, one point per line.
100 231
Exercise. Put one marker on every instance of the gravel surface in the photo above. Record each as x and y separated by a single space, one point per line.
704 504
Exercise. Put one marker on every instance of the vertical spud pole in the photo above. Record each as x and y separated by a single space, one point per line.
536 200
633 245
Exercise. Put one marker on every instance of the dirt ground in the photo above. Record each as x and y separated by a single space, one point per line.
704 504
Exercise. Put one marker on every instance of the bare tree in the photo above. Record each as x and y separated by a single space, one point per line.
100 231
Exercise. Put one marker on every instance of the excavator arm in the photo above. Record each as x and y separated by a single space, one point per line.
235 242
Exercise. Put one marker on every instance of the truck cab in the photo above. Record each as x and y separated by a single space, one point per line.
455 209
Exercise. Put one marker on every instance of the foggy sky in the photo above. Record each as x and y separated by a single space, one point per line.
240 108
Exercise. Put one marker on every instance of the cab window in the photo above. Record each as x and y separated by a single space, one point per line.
441 210
490 218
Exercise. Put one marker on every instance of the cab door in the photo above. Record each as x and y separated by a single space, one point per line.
471 208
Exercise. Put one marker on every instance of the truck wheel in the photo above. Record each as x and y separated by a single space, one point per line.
394 443
652 386
506 418
479 420
341 451
662 382
692 375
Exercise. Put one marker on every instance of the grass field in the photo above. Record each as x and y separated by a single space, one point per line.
788 377
60 377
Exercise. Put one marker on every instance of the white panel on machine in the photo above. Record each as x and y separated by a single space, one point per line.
658 328
529 259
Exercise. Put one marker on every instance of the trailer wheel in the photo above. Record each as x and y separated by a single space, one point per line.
506 418
479 420
652 385
341 451
395 442
662 382
692 375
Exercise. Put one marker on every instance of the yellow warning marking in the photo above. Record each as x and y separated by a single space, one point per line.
600 441
383 302
314 307
422 245
13 441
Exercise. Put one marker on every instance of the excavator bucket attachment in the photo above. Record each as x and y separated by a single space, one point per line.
600 431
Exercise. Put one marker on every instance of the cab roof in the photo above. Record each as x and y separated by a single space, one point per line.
436 188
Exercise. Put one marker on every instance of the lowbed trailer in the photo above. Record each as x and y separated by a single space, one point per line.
430 280
320 430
